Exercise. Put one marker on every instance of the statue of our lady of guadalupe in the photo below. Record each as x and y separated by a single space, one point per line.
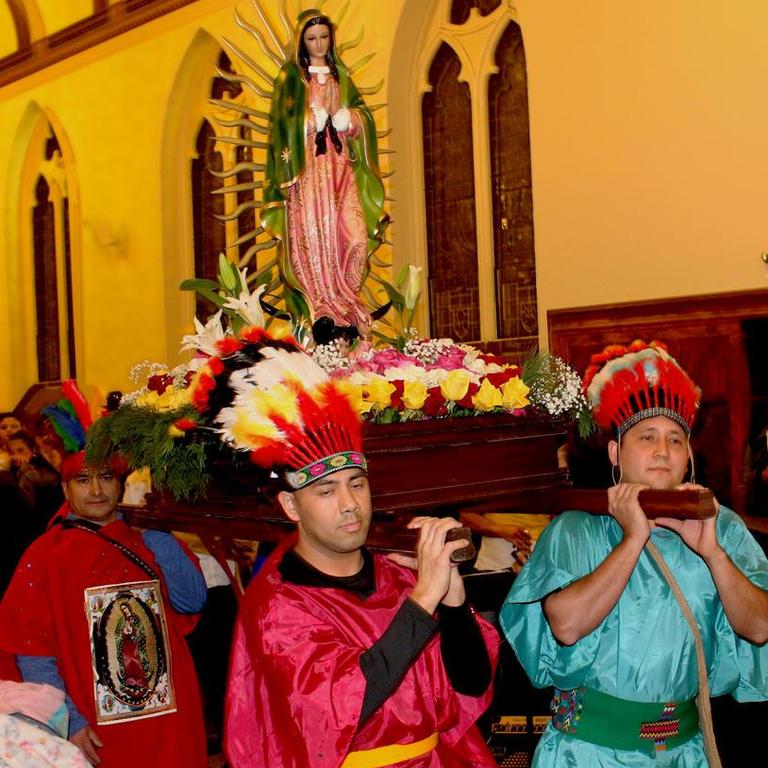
323 196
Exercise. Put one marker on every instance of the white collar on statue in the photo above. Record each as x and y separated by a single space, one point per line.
321 72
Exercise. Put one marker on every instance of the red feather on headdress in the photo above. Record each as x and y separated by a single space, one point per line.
624 382
268 397
71 391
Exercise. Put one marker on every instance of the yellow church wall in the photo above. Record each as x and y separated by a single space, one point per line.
648 126
110 106
62 14
649 133
8 38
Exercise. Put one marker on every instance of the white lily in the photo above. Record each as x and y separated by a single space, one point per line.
412 287
206 337
248 305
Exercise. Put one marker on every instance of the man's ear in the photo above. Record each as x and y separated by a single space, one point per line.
288 503
613 452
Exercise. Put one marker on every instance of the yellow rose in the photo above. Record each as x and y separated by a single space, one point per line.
455 385
172 399
147 400
487 397
378 391
414 394
513 394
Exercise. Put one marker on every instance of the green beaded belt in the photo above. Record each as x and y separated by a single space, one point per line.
606 720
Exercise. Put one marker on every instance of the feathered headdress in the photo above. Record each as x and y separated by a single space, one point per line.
71 419
625 385
265 395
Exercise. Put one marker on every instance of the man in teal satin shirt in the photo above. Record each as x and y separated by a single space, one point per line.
593 615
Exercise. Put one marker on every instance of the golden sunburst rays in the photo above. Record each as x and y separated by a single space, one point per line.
243 122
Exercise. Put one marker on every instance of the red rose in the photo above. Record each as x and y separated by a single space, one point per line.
466 401
502 377
159 383
396 400
434 405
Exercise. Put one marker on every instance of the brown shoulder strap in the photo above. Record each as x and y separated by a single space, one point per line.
702 700
94 529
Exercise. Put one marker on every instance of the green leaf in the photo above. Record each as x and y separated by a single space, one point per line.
213 297
397 298
382 337
196 283
402 276
296 304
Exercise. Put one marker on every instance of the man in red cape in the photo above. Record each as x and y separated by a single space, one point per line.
44 624
342 657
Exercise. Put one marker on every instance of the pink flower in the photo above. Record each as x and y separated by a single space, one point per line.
383 359
450 359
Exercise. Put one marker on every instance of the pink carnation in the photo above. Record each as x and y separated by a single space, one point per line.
450 359
383 359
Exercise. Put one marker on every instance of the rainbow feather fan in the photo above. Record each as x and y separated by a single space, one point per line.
70 417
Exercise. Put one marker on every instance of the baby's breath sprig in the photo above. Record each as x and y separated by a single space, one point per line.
331 356
557 388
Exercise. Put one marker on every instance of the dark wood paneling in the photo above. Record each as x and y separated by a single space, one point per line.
46 287
208 230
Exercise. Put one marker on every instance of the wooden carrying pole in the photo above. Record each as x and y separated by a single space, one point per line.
688 504
248 520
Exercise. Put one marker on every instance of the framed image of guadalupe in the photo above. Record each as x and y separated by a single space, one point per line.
129 647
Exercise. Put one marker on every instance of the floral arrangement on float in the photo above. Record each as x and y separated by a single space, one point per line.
165 424
408 378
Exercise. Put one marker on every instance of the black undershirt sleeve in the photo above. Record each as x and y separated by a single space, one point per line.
463 649
461 646
385 663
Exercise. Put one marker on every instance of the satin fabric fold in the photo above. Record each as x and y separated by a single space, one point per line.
643 650
296 688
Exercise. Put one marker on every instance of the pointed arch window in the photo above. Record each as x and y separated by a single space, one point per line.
477 179
209 205
208 228
514 258
450 201
55 332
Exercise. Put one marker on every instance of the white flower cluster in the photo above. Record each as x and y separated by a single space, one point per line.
425 351
145 369
558 389
331 356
